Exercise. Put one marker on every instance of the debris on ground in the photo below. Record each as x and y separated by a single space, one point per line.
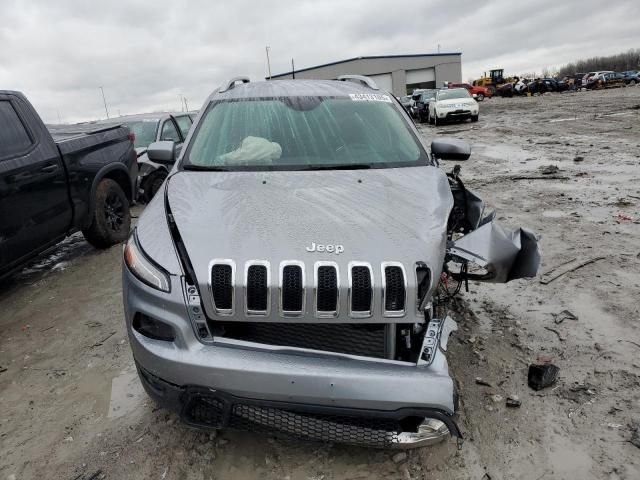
513 401
497 398
399 457
542 376
578 158
561 337
566 267
564 315
484 383
623 217
549 169
635 435
624 202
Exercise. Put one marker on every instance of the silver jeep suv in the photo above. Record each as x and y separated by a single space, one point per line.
289 277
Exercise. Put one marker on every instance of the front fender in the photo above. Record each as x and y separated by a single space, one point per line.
503 253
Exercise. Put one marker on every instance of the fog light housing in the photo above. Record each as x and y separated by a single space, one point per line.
152 328
430 432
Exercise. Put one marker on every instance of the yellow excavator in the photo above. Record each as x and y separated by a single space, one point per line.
493 81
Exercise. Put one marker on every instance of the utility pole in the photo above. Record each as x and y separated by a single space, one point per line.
293 69
186 105
267 48
105 102
438 48
181 102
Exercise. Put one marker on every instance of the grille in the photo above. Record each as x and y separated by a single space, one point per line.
366 340
292 289
257 288
394 294
327 289
361 289
375 432
221 286
205 411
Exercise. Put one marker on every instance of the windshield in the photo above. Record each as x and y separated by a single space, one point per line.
453 93
427 95
144 130
302 133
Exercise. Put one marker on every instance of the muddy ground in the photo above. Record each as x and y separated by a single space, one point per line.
72 407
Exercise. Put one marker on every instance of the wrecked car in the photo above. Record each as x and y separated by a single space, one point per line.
293 274
146 129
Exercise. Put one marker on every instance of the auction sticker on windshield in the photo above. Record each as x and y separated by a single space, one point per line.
370 97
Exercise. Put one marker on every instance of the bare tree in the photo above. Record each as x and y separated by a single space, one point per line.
621 62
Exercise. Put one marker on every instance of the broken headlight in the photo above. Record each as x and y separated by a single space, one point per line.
143 268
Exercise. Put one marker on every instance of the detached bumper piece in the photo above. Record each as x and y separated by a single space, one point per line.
405 428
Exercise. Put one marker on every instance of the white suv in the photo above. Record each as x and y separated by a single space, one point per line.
453 104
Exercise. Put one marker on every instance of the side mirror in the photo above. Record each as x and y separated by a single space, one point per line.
450 149
162 152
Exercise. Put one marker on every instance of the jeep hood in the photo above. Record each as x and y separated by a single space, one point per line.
376 215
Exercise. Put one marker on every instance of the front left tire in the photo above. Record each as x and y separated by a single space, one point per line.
111 217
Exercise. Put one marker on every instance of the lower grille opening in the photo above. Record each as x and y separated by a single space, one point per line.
375 432
208 410
366 340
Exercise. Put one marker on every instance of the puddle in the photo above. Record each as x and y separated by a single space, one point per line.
127 393
60 258
553 213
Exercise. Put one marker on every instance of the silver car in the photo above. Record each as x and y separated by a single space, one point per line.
288 277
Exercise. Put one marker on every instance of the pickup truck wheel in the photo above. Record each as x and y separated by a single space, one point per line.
632 83
480 97
111 218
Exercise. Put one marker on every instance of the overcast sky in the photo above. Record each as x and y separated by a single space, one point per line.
146 53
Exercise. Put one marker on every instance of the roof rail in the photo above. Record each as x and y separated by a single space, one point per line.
366 81
232 83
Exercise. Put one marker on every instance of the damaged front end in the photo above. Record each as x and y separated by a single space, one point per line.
498 253
335 344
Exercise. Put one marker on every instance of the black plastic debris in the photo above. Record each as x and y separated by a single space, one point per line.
513 401
541 376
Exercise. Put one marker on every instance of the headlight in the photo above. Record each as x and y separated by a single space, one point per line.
143 268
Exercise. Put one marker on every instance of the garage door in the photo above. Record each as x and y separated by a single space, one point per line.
383 81
423 75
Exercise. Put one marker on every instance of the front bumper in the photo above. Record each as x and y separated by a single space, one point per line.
458 113
213 409
278 379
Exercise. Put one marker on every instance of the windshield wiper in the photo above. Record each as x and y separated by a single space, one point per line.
346 166
204 168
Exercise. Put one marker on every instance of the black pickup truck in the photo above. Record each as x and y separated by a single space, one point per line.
57 181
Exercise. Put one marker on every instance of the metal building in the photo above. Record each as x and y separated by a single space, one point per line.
398 74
